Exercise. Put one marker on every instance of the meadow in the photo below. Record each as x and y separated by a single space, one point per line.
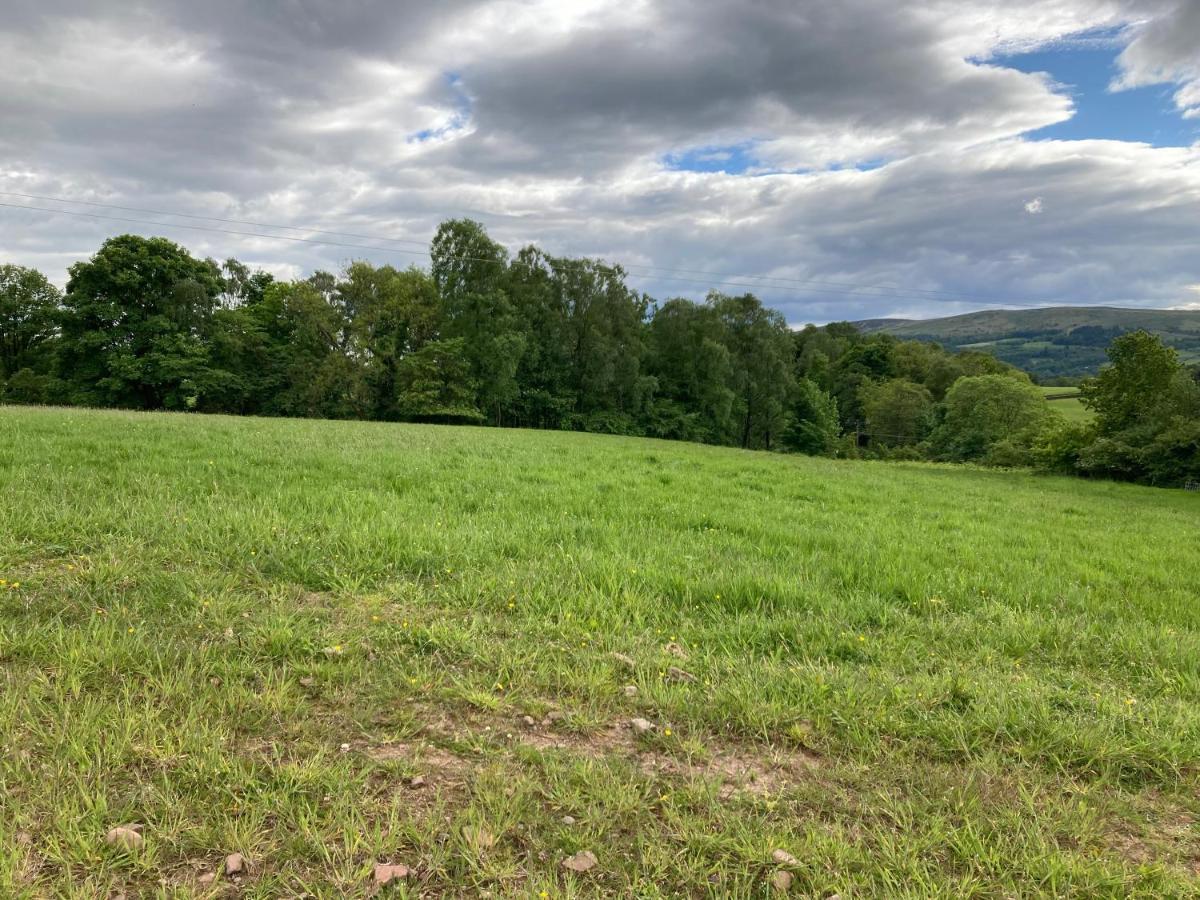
1066 401
332 645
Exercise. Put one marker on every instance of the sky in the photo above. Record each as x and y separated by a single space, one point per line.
847 160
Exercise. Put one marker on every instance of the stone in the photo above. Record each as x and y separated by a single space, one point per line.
676 674
627 661
675 650
631 690
127 837
782 881
207 878
528 721
784 858
386 873
235 864
581 861
568 820
641 726
417 781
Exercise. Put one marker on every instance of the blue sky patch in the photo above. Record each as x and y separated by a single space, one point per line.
733 159
1085 71
462 112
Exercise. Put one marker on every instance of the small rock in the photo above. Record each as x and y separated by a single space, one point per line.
385 873
675 650
229 634
126 837
235 864
631 690
782 881
215 681
207 878
417 781
528 721
834 897
581 861
784 858
627 661
641 726
345 748
568 820
678 675
307 681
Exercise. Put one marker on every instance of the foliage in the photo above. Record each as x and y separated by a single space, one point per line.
994 415
541 341
28 313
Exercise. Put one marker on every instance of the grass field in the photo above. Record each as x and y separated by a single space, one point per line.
1067 402
330 645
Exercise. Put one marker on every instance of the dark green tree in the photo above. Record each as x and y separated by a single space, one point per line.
29 306
762 353
135 325
433 384
814 425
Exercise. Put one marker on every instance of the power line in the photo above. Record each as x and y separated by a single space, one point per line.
709 276
866 292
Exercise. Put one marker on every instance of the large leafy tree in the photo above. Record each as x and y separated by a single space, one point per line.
28 319
981 412
691 363
135 325
390 314
470 272
897 411
1147 408
814 426
762 352
1143 384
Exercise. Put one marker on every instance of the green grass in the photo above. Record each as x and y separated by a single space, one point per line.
1066 401
250 635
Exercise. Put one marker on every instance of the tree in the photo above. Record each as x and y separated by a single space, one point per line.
391 314
433 384
1147 408
470 271
983 412
1143 384
897 412
692 366
28 319
814 426
761 350
135 324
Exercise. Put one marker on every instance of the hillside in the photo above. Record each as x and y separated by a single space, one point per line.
1053 342
333 645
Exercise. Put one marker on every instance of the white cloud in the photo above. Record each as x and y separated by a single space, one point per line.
552 122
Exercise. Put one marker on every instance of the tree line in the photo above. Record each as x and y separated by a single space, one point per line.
540 341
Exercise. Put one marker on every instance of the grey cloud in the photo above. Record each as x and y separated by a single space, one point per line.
303 112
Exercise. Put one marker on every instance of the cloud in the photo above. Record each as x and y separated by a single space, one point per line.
866 155
1165 49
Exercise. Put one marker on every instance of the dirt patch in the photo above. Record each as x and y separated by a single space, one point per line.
753 770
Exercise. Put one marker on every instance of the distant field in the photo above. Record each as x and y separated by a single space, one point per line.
1066 401
252 635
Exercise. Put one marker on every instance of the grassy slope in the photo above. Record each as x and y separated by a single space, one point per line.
249 634
997 323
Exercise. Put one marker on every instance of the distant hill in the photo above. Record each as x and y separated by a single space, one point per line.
1053 342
